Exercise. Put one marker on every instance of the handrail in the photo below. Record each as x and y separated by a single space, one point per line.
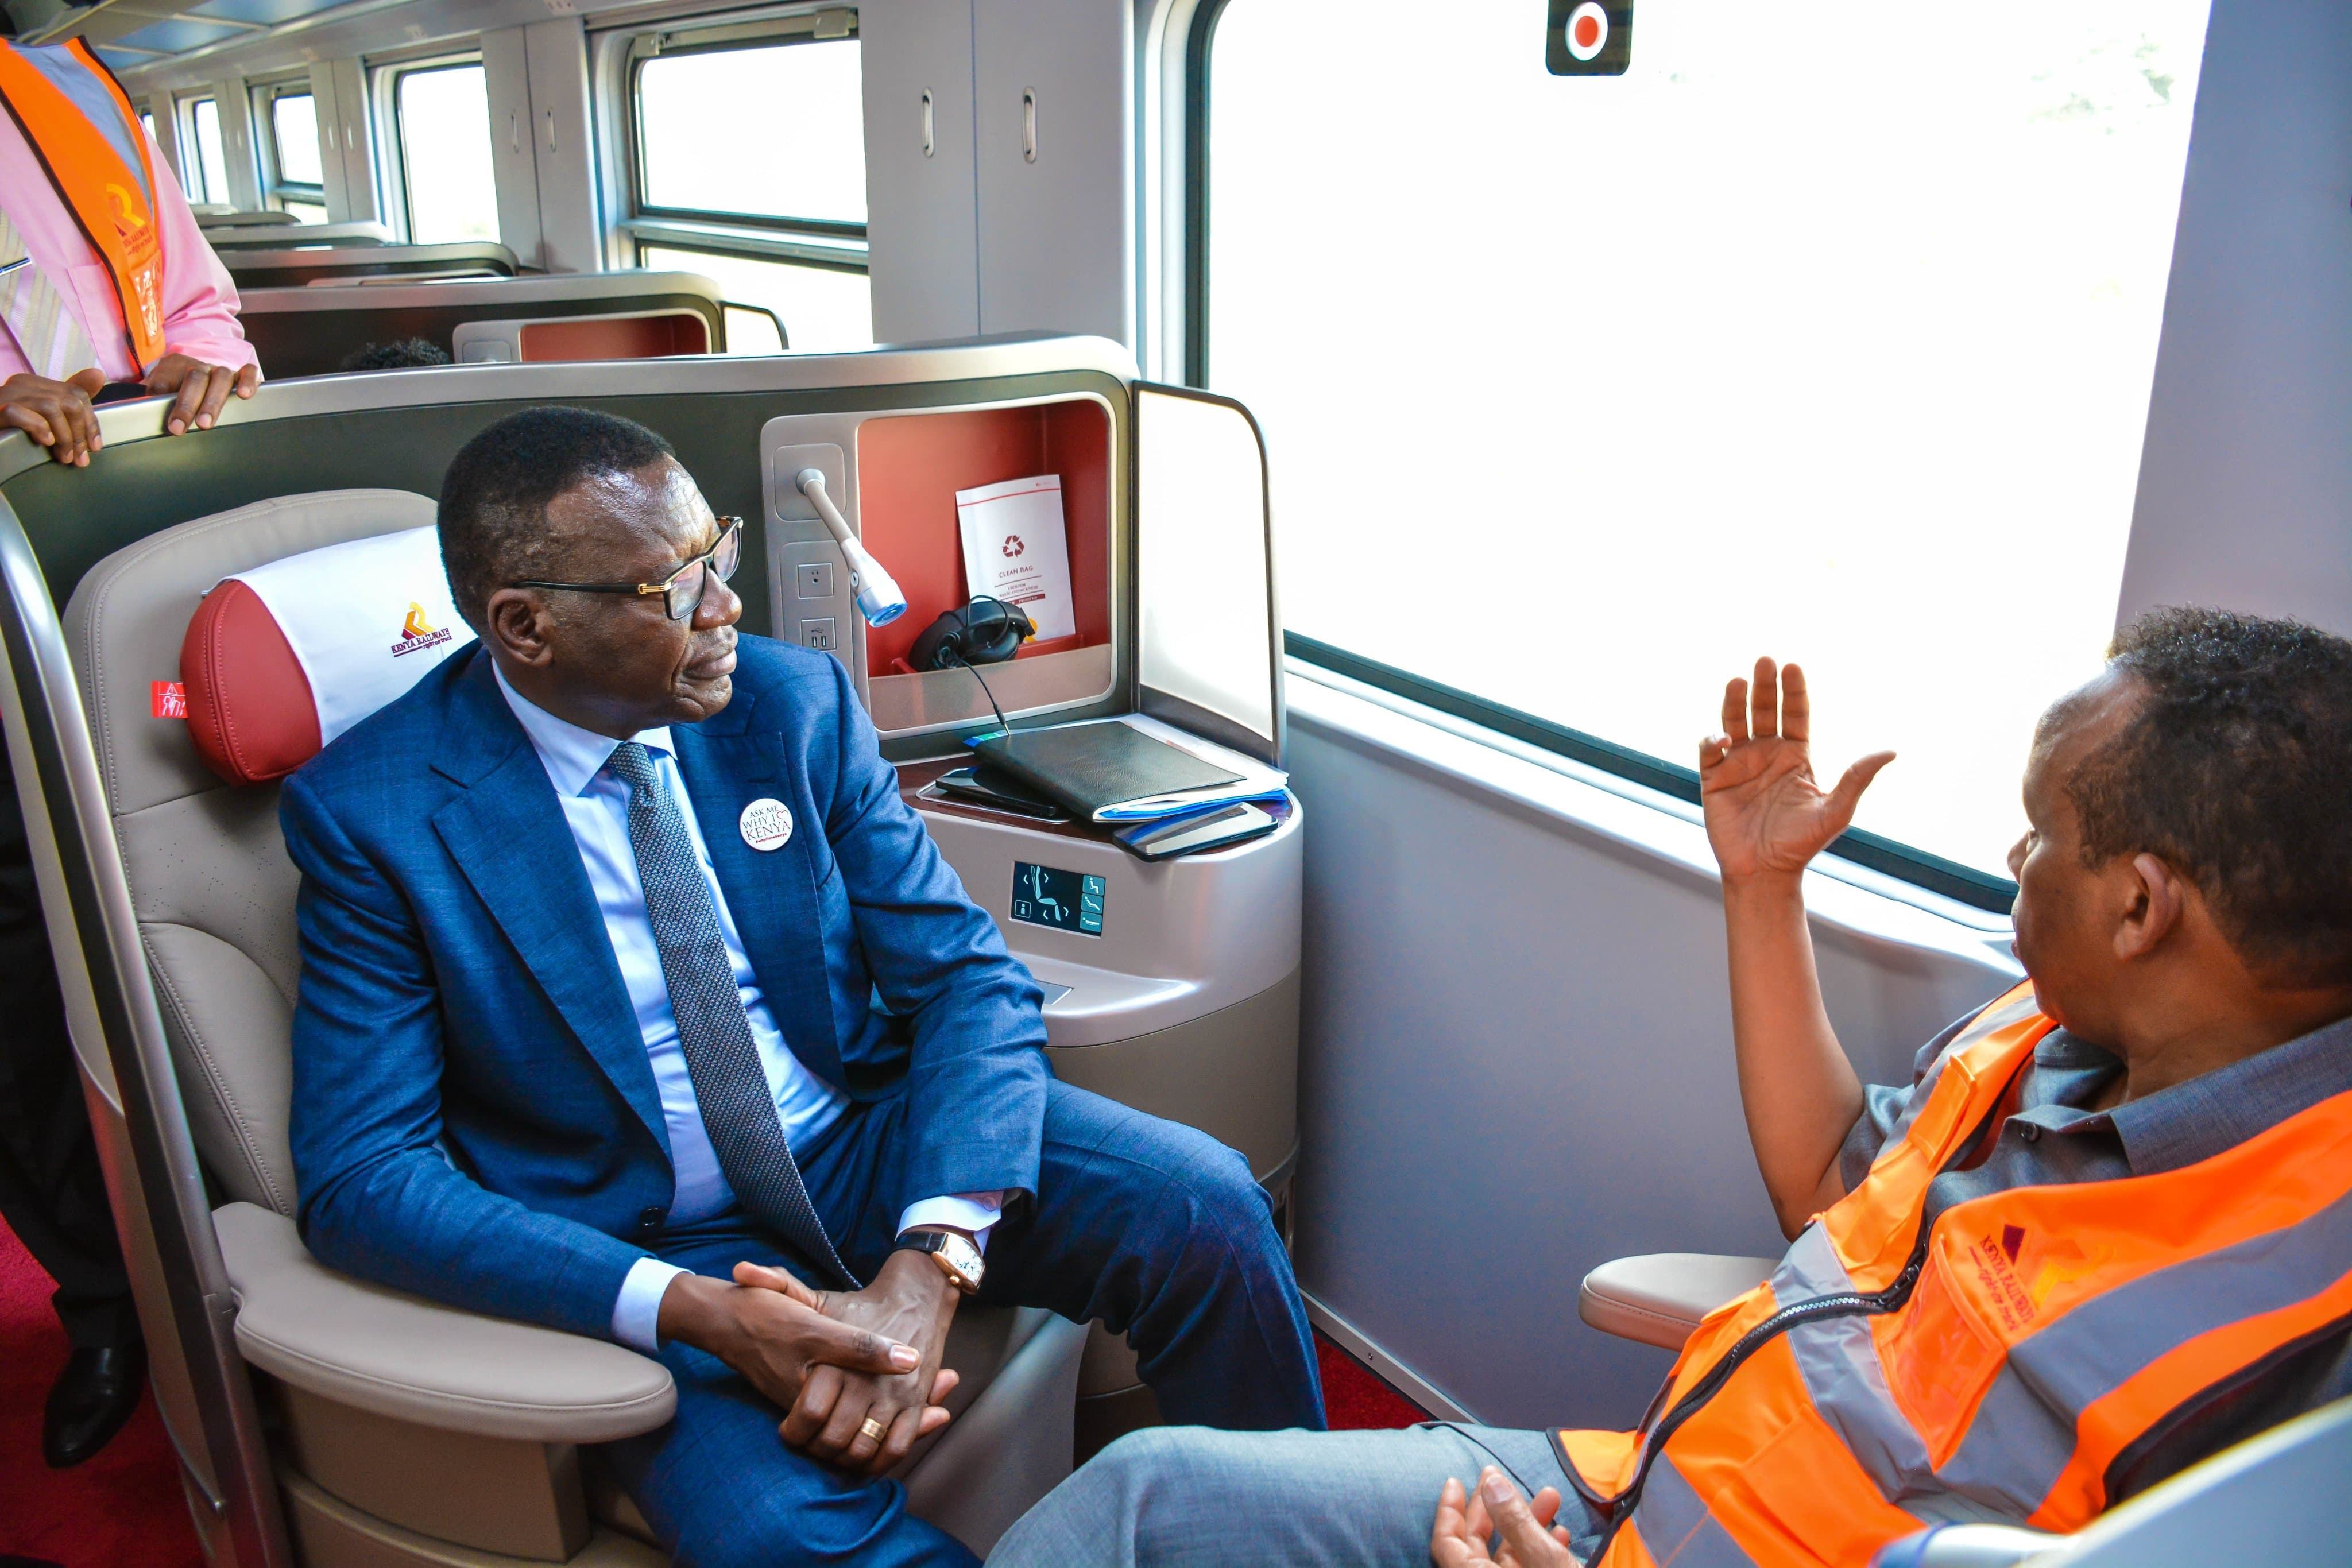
92 923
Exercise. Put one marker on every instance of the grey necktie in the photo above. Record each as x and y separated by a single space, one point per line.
739 1109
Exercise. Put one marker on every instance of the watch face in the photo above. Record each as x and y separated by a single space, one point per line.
963 1257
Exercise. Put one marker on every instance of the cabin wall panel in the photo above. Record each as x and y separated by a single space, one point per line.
922 222
514 161
236 143
165 110
563 155
355 148
1516 1065
2245 486
1056 234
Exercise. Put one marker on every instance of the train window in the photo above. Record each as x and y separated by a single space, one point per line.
290 118
775 132
822 308
211 182
147 124
442 116
750 169
1833 341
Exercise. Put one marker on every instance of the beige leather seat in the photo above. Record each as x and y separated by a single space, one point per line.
404 1432
1659 1298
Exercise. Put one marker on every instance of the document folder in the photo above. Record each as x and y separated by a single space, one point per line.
1095 769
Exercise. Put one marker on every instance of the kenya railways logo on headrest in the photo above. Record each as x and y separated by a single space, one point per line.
417 633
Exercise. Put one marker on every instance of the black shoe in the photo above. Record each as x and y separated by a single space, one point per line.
94 1395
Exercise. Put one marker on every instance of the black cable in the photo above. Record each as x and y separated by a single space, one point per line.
967 664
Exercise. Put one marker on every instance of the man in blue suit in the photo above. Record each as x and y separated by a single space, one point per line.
636 1002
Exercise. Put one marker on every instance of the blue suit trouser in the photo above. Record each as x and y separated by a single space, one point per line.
1155 1228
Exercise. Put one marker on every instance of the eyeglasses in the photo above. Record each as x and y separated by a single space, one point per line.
682 590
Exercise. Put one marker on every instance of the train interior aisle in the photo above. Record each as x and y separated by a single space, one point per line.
1284 484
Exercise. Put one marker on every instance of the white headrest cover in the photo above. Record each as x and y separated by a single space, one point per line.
365 620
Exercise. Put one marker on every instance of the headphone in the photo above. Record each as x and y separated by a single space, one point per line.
986 631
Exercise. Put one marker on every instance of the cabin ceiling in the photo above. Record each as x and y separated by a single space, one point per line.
135 35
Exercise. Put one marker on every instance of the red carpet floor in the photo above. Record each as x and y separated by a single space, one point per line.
1355 1399
121 1509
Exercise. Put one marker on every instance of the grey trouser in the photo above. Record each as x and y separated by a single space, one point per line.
1182 1495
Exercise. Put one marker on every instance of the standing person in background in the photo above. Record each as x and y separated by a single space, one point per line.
107 290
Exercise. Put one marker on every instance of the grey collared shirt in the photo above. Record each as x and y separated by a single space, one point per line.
2051 1136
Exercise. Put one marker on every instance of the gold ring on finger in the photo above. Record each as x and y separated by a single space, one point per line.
874 1429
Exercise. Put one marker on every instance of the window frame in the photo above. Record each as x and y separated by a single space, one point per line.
1906 863
184 125
829 245
391 151
276 189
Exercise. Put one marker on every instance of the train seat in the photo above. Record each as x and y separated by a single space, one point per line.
1658 1298
406 1431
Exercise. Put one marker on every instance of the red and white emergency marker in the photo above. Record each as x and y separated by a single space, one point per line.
766 824
1587 30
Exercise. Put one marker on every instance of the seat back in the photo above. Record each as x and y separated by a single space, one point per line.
287 262
310 330
211 886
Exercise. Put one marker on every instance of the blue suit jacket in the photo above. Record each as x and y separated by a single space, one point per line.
475 1117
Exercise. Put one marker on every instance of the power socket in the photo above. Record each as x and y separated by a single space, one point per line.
817 633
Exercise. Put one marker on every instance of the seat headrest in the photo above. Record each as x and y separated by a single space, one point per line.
281 659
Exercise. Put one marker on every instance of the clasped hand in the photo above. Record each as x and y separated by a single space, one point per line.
834 1360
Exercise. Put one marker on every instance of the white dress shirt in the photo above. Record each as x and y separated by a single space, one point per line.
596 808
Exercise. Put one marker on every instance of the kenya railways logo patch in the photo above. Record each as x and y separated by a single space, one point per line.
417 633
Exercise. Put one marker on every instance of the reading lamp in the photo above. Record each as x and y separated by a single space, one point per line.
878 598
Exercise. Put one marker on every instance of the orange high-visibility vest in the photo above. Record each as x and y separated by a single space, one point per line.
108 198
1994 1366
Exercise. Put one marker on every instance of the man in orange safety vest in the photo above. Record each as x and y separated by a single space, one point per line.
2104 1232
108 289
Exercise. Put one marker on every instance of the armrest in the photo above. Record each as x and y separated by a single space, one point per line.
1658 1298
1965 1546
395 1354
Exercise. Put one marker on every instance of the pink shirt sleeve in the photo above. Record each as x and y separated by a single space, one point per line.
199 299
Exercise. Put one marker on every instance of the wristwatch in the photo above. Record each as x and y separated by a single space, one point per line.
957 1258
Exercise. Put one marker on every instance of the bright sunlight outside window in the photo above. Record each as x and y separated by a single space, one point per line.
294 122
1830 342
778 132
212 162
823 311
294 129
444 118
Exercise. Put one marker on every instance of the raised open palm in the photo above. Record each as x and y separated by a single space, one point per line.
1764 811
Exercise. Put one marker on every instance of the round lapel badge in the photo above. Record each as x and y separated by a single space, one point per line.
1588 31
766 824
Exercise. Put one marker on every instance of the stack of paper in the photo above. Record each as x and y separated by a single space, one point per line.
1257 782
1130 770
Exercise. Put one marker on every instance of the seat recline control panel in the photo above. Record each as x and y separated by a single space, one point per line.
1064 900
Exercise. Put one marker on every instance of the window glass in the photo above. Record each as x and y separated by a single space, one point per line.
1831 342
211 163
823 311
304 211
294 125
444 117
147 124
777 131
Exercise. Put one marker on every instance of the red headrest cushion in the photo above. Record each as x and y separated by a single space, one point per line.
250 710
